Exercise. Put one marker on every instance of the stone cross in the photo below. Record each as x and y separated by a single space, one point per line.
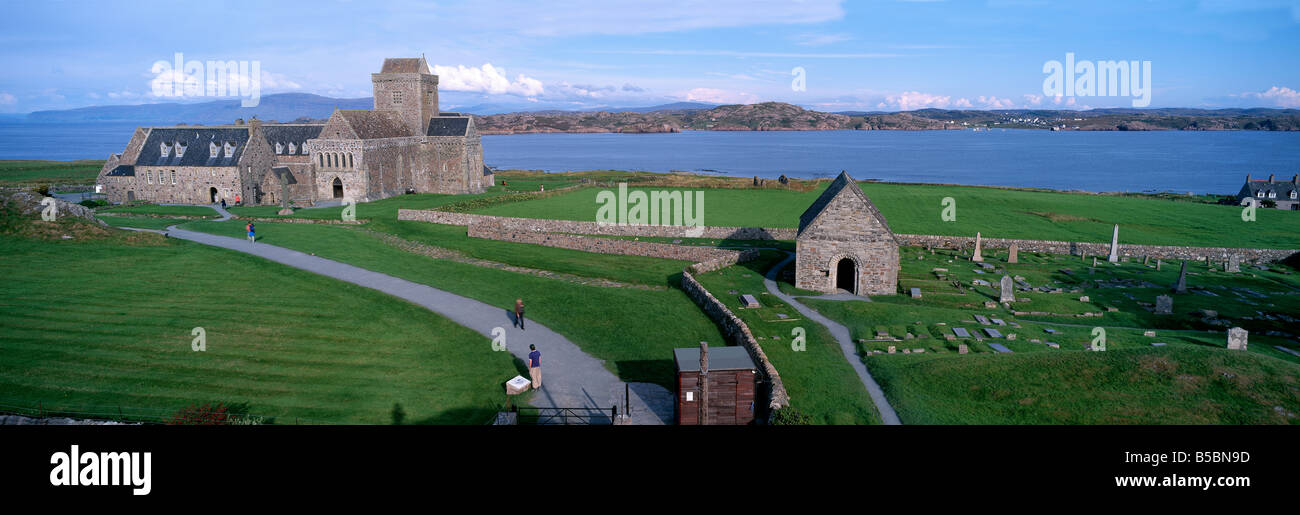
978 246
1164 305
1013 255
1234 264
1237 338
1158 263
1181 285
1114 246
1008 293
1094 261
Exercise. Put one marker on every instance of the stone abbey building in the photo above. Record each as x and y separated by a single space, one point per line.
844 243
404 145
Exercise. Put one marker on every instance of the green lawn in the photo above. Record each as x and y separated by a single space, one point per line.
379 209
633 330
1000 213
98 326
15 173
820 382
160 210
141 222
1178 384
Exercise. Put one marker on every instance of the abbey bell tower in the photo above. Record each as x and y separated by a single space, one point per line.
406 86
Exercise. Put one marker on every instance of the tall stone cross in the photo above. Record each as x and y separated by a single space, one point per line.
1114 246
978 246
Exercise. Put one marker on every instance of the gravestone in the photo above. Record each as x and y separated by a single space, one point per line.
963 349
1158 264
1164 305
1094 261
998 321
1157 344
1013 255
1237 338
961 332
892 349
1113 257
1049 331
1146 260
1181 285
749 301
916 293
1149 334
978 245
1053 345
1008 293
993 333
983 320
1234 264
1084 299
1000 348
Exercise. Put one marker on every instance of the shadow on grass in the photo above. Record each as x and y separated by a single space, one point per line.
657 371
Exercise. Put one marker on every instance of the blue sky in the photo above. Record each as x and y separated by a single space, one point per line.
867 55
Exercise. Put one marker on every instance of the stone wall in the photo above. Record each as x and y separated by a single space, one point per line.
598 245
732 326
1170 253
579 227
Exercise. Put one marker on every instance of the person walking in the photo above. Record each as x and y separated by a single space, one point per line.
519 314
535 366
238 200
251 237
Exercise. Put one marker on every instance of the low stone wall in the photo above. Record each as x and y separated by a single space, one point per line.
598 245
579 227
1074 248
732 326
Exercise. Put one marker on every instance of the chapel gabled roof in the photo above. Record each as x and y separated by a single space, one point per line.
842 185
405 65
375 124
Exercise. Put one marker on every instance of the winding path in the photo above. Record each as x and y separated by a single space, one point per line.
841 334
570 377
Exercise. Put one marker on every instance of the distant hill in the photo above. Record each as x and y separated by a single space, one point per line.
766 116
281 107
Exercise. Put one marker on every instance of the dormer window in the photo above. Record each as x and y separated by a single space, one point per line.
279 149
293 149
180 148
1293 195
230 149
214 150
1272 194
165 149
1260 194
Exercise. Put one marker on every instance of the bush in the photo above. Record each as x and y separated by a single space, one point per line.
790 416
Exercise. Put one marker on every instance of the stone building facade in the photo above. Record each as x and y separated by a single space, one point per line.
844 243
404 145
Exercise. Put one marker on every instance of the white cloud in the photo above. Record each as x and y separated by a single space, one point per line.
1031 99
7 99
1279 96
818 39
719 96
993 102
486 79
911 100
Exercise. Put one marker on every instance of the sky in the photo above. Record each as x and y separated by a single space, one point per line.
829 55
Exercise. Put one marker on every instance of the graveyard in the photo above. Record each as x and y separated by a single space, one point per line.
945 348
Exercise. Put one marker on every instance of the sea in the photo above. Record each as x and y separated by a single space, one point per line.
1214 162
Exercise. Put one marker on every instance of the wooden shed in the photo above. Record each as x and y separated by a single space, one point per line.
715 386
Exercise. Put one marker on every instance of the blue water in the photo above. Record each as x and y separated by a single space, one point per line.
1199 162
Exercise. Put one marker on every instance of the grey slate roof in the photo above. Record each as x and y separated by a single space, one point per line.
196 141
405 65
448 126
376 124
842 182
720 358
1283 189
122 171
291 133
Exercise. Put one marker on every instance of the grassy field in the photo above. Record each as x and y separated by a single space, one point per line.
160 210
1000 213
1178 384
820 382
379 209
1038 384
104 324
27 173
142 222
633 330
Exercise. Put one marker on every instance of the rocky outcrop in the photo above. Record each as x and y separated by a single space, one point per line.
29 204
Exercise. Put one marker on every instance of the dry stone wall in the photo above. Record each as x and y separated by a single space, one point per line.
1073 248
579 227
732 326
